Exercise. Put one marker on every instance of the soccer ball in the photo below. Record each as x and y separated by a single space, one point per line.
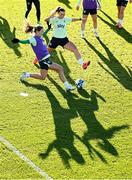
79 83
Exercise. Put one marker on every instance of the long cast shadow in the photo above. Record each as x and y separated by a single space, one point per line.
64 142
95 131
6 35
118 71
121 32
66 2
85 108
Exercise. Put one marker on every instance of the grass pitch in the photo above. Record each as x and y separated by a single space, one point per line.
79 135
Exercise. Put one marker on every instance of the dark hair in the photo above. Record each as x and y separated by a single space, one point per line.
60 9
29 28
38 28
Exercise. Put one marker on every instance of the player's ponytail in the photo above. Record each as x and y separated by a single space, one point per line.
30 29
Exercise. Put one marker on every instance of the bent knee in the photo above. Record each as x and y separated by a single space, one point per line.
75 50
60 69
43 77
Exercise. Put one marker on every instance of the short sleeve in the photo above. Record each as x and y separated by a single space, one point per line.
32 41
52 20
68 20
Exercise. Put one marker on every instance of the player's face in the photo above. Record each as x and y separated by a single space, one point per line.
61 14
39 33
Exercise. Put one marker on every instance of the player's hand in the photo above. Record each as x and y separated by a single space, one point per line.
49 25
84 19
53 12
77 7
57 9
15 40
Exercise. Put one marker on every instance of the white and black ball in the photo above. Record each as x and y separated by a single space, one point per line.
79 83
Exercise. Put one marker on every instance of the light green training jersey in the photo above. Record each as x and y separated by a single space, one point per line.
59 26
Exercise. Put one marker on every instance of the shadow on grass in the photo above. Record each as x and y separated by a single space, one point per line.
121 32
85 108
64 142
66 2
117 70
6 35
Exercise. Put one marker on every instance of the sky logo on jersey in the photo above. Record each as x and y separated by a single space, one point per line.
60 26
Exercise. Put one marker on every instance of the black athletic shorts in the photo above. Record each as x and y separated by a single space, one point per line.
44 64
89 11
58 42
122 3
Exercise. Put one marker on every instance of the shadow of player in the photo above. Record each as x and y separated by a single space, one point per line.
85 108
118 72
64 142
121 32
66 2
6 35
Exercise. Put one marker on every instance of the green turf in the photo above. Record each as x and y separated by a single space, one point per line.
78 135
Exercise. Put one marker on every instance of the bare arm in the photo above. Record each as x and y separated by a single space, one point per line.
78 4
52 14
76 19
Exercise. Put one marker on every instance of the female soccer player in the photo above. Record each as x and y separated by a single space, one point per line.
43 57
29 7
59 24
89 7
121 5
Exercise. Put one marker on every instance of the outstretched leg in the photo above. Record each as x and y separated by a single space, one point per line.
41 76
59 69
71 47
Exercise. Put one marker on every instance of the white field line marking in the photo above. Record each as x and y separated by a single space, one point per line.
22 156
